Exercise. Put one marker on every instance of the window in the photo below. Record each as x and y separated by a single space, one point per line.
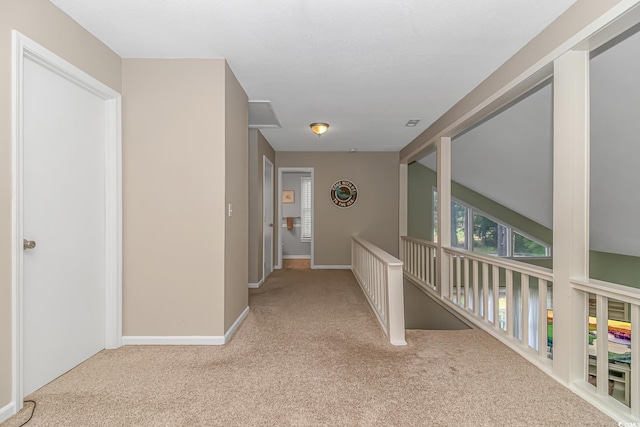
459 221
473 230
526 247
489 237
305 201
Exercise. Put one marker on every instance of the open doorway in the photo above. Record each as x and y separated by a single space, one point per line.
295 217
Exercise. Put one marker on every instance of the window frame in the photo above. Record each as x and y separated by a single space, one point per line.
510 230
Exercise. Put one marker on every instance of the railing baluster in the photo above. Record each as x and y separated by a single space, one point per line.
476 300
509 315
542 319
467 299
602 349
485 291
458 278
495 273
524 301
432 270
420 261
450 284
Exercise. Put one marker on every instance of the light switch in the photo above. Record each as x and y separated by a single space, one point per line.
230 210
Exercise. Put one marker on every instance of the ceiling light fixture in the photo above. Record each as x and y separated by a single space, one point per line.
319 128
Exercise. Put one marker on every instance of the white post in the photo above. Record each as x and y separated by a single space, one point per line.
444 212
570 213
396 305
403 201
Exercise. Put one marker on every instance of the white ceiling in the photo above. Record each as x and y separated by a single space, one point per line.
365 67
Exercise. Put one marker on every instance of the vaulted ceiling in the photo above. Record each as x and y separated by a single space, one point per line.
364 67
509 158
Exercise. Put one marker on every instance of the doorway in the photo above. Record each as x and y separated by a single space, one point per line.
67 224
267 218
295 217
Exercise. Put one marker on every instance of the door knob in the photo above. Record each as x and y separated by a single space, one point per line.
28 244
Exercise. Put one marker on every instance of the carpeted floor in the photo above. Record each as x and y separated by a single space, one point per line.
311 353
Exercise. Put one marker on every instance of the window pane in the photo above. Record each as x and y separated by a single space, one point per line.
306 208
459 215
489 237
524 247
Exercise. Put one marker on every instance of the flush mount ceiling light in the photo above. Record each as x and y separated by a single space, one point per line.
319 128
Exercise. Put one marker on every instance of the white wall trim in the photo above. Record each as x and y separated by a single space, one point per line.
256 285
232 330
7 411
279 219
174 340
296 256
331 267
188 339
23 47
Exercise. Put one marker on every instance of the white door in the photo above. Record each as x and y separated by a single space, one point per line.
267 214
64 213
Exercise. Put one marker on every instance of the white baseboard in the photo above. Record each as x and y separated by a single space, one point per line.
173 340
232 330
331 267
7 412
256 285
187 340
296 256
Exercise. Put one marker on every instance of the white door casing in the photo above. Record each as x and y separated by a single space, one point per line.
66 197
267 216
279 218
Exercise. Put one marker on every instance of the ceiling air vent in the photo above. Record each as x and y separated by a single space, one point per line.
261 115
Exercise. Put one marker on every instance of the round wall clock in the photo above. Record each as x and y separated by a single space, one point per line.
343 193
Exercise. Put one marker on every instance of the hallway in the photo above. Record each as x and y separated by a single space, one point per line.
312 353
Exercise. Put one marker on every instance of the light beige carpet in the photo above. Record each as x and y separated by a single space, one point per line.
311 353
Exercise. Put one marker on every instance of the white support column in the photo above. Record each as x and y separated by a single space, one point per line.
403 201
570 213
444 211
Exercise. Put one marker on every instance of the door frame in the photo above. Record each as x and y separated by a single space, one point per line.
279 218
266 161
22 48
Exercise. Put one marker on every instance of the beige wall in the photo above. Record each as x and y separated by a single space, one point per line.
47 25
174 197
373 217
258 147
236 293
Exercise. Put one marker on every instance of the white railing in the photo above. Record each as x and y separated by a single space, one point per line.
619 378
380 277
420 261
509 299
